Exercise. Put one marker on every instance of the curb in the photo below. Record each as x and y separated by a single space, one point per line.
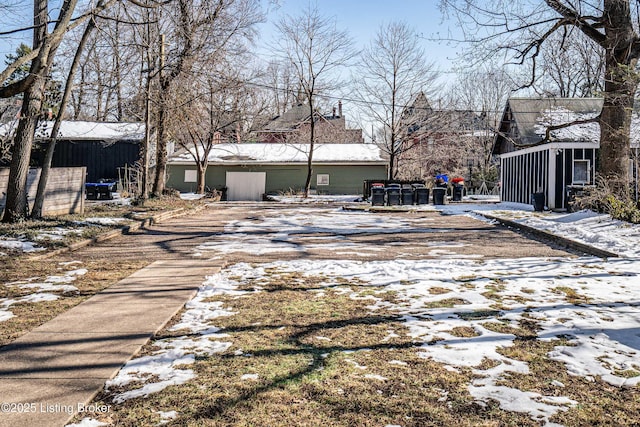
142 223
563 241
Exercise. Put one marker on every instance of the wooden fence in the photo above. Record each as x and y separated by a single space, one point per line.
64 193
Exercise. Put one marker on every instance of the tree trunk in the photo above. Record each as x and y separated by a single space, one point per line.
161 141
161 152
307 183
17 208
621 82
46 164
202 171
392 166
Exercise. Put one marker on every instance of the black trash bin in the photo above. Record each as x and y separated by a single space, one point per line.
420 194
407 194
458 190
393 195
439 194
377 196
537 200
91 190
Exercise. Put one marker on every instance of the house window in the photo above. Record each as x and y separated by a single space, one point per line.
190 175
323 179
581 171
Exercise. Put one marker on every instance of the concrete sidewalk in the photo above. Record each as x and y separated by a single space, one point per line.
49 374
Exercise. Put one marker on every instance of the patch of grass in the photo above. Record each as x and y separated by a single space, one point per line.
572 296
325 359
318 360
477 315
436 290
100 274
446 303
599 403
464 332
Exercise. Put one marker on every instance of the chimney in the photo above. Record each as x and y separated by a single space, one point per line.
339 108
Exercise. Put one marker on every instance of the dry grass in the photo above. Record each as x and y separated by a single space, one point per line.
324 359
17 266
30 315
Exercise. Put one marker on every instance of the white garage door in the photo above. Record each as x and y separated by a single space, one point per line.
245 185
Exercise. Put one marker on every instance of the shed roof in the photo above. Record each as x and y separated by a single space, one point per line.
259 153
84 130
533 115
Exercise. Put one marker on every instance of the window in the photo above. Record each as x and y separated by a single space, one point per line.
190 175
323 179
581 171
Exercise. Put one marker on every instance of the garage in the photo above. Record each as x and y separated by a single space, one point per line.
246 186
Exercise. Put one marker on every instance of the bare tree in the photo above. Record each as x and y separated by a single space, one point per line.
202 31
280 80
45 45
32 87
483 92
44 174
393 71
571 67
316 50
522 29
213 112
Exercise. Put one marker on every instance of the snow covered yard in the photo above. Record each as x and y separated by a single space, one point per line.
287 335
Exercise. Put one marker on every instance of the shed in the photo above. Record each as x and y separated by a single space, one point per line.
249 170
558 166
101 147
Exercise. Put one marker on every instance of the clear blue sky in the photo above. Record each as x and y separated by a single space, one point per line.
363 19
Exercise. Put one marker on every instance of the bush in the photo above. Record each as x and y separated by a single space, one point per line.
603 199
624 210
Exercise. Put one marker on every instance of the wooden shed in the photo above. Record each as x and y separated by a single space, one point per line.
100 147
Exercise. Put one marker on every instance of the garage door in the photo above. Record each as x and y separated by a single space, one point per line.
243 186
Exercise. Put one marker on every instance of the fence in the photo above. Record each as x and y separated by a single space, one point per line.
64 193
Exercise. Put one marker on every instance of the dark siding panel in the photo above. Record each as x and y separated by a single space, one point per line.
559 180
101 161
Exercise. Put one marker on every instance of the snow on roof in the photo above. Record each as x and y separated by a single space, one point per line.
534 115
81 130
286 153
588 132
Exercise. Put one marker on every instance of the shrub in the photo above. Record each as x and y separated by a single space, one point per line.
603 199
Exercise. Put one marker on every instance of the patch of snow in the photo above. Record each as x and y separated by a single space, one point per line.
103 220
88 422
601 345
597 230
375 377
167 416
167 363
19 244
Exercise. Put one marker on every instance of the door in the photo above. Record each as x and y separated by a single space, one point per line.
246 186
